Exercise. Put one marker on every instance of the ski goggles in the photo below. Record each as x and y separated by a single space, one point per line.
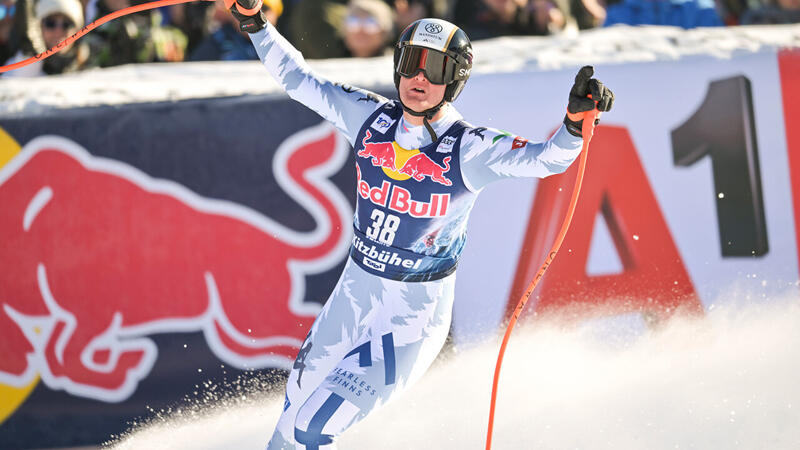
52 23
438 67
366 24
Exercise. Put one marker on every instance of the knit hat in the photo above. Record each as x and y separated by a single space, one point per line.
378 9
69 8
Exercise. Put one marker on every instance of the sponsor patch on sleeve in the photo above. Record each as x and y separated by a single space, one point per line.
518 143
382 123
446 144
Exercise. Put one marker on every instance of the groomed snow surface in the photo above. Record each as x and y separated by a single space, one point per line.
729 381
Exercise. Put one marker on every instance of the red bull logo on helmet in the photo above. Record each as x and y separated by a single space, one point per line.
401 164
100 255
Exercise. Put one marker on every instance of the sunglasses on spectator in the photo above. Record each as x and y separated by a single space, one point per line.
368 24
51 23
7 11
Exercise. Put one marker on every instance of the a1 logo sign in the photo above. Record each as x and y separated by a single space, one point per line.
654 280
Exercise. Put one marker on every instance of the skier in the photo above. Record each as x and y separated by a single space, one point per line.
419 168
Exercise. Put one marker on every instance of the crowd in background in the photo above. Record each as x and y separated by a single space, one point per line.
206 31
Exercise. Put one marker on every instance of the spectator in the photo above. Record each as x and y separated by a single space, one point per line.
681 13
780 12
318 27
315 28
134 38
731 11
18 29
228 42
57 19
483 19
195 20
8 9
588 13
368 28
408 12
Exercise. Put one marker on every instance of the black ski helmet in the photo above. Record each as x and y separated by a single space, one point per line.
450 48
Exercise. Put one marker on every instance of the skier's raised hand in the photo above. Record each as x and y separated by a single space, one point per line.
586 94
249 13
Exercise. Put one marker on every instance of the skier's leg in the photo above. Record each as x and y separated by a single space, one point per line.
341 323
398 349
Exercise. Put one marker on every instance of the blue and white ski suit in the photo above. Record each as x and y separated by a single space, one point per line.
390 311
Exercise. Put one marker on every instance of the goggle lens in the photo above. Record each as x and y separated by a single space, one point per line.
437 66
366 24
51 24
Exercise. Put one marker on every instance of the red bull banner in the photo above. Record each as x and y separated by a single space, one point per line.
139 259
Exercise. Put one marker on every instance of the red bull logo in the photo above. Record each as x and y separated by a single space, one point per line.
401 164
399 200
98 255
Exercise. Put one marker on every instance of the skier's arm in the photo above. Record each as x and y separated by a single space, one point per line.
489 155
346 107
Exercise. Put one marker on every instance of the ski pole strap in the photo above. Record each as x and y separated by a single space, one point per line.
242 10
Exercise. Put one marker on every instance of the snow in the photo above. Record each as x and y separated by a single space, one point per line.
727 381
181 81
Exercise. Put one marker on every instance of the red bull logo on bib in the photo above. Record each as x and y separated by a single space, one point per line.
399 199
401 164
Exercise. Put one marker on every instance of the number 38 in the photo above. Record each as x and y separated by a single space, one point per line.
383 228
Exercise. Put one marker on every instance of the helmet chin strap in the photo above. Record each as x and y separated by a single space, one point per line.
426 116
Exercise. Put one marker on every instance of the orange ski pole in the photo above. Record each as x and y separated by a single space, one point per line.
109 17
588 131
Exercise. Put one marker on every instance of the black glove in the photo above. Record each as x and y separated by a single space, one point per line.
579 101
249 13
